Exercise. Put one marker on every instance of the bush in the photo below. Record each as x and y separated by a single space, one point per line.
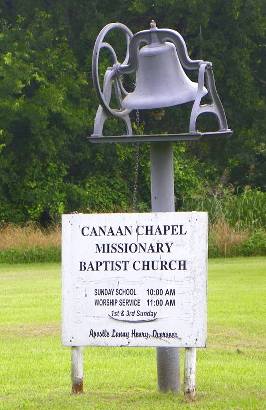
255 245
107 194
32 255
242 211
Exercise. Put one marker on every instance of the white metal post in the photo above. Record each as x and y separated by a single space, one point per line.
77 369
190 373
163 200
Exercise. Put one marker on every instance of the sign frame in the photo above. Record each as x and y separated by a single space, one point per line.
188 235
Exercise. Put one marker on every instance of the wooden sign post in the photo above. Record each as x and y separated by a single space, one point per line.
133 280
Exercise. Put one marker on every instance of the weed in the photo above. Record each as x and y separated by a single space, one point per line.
28 237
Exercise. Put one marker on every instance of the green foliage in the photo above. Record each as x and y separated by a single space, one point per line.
32 255
242 211
105 195
255 244
42 111
186 173
48 105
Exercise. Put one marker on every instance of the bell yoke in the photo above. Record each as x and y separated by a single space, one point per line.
159 59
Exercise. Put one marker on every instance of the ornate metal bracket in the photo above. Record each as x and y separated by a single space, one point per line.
215 107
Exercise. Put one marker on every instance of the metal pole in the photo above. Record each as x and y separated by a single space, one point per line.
162 200
77 369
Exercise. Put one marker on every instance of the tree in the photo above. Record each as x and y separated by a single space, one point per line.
43 112
48 104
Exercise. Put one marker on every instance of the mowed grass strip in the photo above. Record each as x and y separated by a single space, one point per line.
35 368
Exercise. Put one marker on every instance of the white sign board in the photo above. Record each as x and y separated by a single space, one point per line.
135 279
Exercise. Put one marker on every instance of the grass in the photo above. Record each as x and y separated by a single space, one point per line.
28 237
225 239
243 211
35 371
30 244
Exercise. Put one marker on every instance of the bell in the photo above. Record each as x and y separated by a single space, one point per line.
160 79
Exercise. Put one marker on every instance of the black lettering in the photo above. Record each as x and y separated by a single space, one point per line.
128 229
85 229
150 248
170 265
110 231
158 231
102 230
134 265
98 265
82 266
181 230
160 247
100 248
113 248
120 248
175 230
164 265
145 265
138 230
142 246
182 265
166 228
169 246
133 248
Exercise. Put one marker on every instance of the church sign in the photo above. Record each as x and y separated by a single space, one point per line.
135 279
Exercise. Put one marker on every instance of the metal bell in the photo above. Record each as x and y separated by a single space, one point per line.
160 79
158 58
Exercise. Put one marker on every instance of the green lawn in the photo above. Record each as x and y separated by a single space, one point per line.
34 372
